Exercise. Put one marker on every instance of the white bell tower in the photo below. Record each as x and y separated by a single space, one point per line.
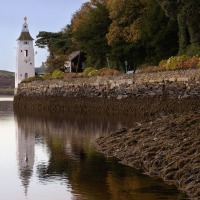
25 66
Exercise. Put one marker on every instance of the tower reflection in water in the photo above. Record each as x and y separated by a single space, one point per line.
25 155
67 145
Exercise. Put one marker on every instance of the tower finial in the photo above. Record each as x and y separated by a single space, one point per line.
25 19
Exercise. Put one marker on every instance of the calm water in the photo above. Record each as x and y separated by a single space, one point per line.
52 157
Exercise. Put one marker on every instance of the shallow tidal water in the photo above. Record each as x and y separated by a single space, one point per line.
52 156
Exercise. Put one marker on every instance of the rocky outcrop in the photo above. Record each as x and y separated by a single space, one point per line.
167 147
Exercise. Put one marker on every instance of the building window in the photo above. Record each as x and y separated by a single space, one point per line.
30 63
26 75
26 53
21 50
26 43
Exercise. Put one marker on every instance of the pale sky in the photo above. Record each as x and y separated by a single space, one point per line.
43 15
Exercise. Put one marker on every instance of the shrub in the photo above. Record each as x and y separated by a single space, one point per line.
193 50
93 73
176 62
57 74
191 62
162 65
69 75
102 71
88 70
107 72
46 76
173 63
147 68
180 62
30 79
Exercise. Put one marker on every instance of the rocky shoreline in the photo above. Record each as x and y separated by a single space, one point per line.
165 92
166 147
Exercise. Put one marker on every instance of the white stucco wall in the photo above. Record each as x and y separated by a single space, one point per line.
25 61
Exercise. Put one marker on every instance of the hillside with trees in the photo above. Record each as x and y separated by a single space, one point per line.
112 32
7 83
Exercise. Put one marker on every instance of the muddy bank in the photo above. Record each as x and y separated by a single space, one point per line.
142 106
167 147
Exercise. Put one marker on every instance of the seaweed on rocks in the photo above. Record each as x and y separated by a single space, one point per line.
167 147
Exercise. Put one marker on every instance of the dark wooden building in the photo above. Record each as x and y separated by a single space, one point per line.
76 62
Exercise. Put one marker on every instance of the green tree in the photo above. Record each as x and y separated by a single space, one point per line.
187 14
89 28
159 34
46 40
124 36
140 32
125 16
59 46
63 44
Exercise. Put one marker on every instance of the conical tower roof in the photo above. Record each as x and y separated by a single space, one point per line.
25 35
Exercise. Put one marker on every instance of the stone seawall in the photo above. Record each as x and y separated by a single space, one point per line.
160 91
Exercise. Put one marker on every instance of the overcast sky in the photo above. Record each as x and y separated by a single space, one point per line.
43 15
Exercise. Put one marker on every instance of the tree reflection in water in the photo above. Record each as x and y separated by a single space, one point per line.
72 159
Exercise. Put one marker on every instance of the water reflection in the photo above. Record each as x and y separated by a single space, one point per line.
61 148
6 98
69 143
26 155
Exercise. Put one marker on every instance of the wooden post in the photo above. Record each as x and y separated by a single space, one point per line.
78 61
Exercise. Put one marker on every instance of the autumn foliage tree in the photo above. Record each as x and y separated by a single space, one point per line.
135 32
123 34
125 16
89 28
140 32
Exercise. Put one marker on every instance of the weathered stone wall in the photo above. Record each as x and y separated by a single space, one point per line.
179 84
126 91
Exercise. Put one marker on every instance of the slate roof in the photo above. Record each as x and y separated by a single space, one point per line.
74 55
25 36
40 70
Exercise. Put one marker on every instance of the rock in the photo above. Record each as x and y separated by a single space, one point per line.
182 79
172 79
119 97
